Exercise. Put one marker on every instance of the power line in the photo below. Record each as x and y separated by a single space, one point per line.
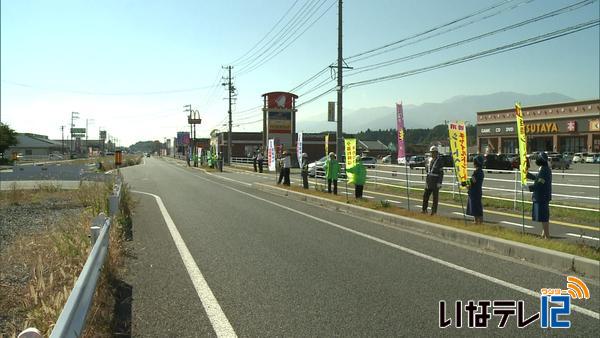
497 50
481 36
282 32
235 62
433 29
274 54
508 47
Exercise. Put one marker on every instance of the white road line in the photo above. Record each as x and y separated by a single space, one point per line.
582 236
461 214
468 271
517 224
215 314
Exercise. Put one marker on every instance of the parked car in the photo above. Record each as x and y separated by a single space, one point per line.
579 157
568 156
590 157
369 161
557 161
447 160
320 163
516 162
55 157
497 161
416 161
597 158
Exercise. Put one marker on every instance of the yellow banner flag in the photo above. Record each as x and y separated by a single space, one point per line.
458 146
350 151
327 145
522 143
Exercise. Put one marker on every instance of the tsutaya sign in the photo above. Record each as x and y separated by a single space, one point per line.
541 128
530 128
279 118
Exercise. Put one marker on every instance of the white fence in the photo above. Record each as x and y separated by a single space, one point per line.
397 176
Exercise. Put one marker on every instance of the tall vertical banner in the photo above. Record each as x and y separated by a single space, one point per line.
326 144
522 143
350 151
271 154
458 146
299 150
400 126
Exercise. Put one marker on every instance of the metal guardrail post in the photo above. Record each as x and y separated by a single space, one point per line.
516 186
453 182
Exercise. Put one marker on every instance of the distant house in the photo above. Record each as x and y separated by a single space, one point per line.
34 145
372 148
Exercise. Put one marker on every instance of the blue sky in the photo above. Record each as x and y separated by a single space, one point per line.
130 66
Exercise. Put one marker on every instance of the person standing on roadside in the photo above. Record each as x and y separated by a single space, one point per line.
475 186
332 172
260 160
286 165
433 181
304 170
542 193
254 161
359 177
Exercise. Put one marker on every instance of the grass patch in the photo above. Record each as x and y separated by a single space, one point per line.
38 270
579 248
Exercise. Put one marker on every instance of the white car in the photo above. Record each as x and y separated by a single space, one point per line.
589 158
579 157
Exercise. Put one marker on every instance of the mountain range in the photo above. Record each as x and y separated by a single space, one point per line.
428 115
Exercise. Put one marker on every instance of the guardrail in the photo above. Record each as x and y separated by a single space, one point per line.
71 321
397 176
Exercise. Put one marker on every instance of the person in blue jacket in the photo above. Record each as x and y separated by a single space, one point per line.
542 193
475 185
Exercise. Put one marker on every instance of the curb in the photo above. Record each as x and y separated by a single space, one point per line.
562 262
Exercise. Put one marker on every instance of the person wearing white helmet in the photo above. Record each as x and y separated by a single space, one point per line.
304 170
433 182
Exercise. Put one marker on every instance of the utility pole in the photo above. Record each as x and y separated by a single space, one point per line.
230 90
62 131
339 142
188 109
74 116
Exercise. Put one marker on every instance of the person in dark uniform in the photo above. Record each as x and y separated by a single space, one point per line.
542 193
475 185
433 182
260 159
304 170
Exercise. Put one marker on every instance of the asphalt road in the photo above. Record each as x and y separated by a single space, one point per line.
213 256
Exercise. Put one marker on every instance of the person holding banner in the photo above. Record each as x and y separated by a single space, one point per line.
433 181
475 185
542 193
332 171
358 177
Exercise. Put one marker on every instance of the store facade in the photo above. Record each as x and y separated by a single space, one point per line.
562 127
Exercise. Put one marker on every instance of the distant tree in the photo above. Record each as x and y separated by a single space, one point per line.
8 137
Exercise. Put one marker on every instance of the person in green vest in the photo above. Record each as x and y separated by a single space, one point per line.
359 177
332 172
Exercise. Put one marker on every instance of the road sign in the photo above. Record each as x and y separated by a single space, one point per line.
331 111
77 131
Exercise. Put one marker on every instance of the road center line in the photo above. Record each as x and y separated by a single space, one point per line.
483 276
217 317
